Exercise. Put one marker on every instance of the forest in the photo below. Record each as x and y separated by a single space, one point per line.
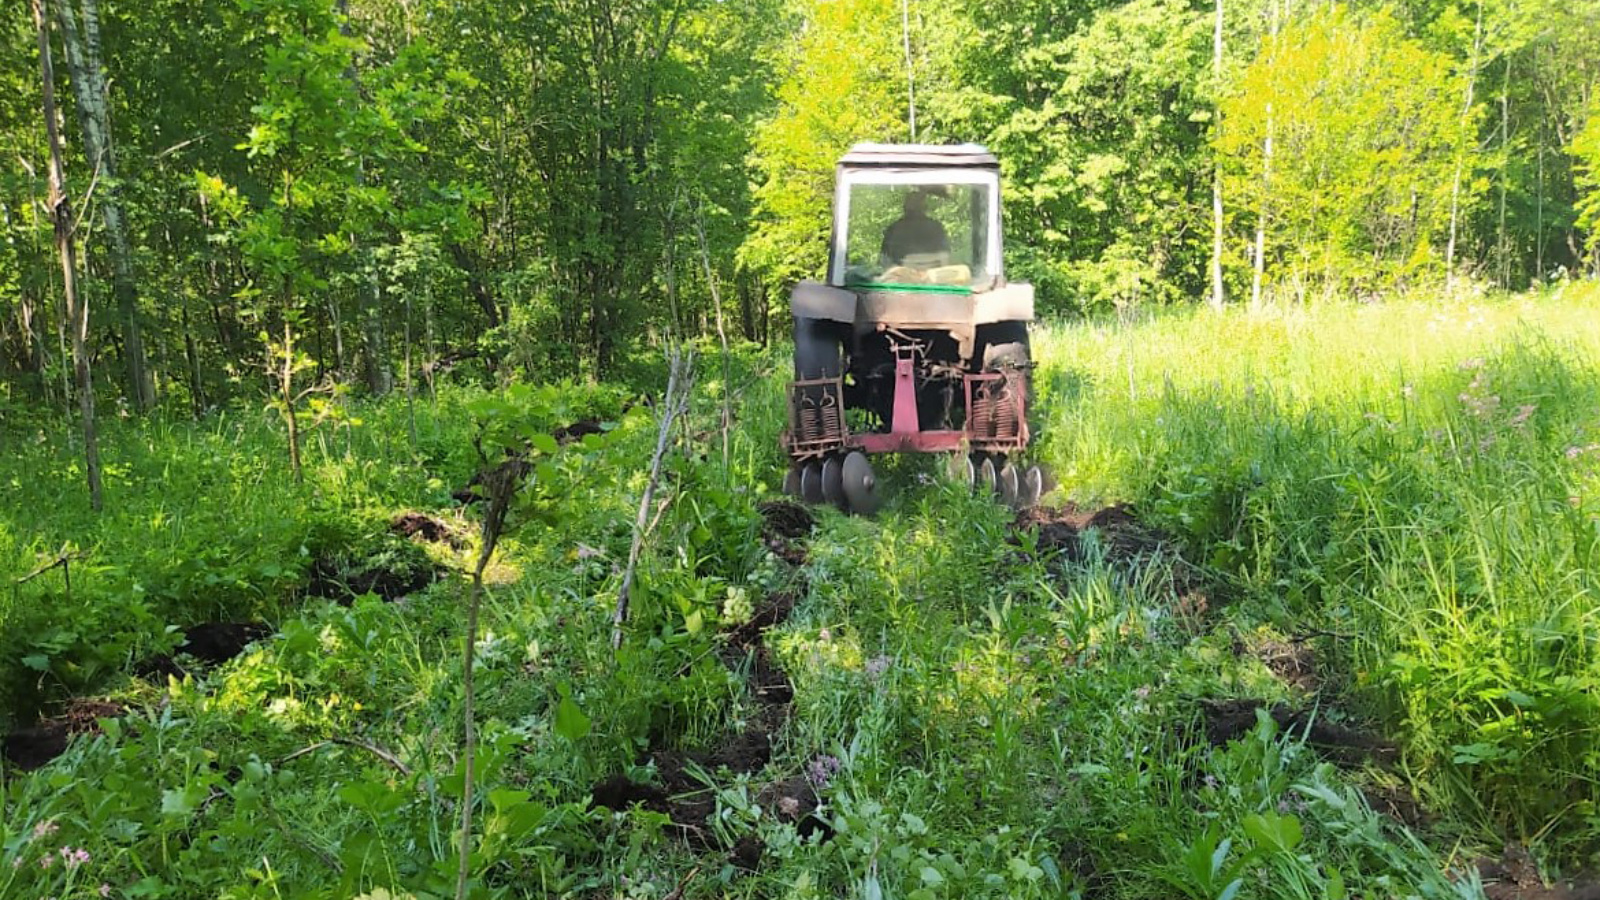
393 422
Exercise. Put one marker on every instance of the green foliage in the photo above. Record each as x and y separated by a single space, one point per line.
843 80
1366 134
1099 119
1585 150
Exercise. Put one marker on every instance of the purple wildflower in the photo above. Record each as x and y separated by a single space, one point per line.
822 769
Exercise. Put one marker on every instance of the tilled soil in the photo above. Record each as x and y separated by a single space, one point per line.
1515 876
1128 544
1229 720
682 793
434 530
785 525
208 642
32 747
343 581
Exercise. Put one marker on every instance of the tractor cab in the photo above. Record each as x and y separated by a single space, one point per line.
916 342
916 225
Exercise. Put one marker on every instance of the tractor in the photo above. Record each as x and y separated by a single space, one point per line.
916 342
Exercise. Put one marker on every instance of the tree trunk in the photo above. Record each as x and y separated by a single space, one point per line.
1216 170
191 353
61 218
1502 249
1455 183
376 368
94 120
286 391
378 372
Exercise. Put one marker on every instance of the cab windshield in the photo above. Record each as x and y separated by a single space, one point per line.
914 232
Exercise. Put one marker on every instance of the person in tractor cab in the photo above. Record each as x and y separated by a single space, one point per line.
915 237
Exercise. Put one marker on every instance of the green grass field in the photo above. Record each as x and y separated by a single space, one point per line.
1378 525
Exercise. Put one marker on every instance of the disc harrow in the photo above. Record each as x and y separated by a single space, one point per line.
846 481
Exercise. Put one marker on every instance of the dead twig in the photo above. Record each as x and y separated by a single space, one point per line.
393 761
680 379
62 561
677 892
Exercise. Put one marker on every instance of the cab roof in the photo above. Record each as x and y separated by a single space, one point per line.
914 155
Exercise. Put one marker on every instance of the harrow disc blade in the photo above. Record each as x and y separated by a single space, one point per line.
811 483
960 470
1008 485
833 482
1031 488
985 483
860 485
791 482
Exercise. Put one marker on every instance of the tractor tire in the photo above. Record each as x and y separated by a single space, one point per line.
818 349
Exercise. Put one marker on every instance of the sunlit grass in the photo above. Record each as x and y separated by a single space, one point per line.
1413 476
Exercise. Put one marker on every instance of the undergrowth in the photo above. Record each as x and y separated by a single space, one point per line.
1406 492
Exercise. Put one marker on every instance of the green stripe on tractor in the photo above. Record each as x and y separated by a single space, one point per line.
911 288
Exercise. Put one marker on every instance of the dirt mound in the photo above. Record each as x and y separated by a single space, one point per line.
577 431
786 519
1127 544
414 524
774 610
216 642
784 526
208 642
1123 535
1397 803
1515 876
1229 720
618 792
396 569
682 793
32 747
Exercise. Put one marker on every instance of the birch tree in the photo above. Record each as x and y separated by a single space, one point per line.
1217 298
80 38
61 218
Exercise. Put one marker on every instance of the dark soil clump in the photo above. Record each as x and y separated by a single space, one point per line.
398 569
577 431
1515 876
747 853
774 610
786 519
1061 530
429 528
32 747
619 793
216 642
795 800
784 525
1126 544
208 642
1228 720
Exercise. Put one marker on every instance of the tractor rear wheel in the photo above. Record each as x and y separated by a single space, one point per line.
1004 345
818 349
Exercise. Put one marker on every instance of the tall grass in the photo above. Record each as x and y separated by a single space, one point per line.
1418 481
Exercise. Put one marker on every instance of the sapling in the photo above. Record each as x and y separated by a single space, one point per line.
499 484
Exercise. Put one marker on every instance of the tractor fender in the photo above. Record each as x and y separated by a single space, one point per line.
814 300
1007 303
